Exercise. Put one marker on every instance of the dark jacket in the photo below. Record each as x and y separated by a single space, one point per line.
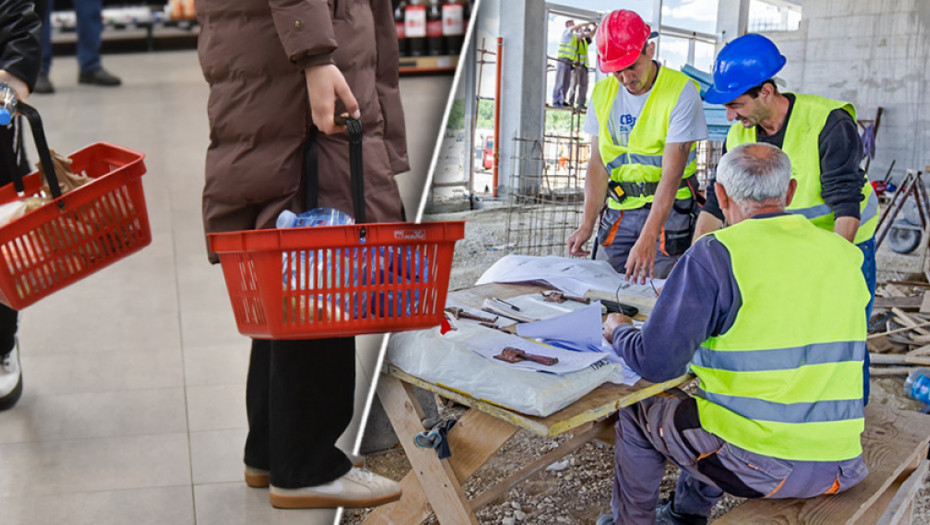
253 53
20 48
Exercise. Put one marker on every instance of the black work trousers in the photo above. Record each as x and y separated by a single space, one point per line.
299 399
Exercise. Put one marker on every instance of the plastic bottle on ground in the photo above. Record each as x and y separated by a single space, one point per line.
917 385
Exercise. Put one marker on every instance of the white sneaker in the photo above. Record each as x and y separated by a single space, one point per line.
357 488
258 478
11 379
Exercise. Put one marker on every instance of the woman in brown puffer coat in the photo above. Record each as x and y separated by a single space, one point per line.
274 68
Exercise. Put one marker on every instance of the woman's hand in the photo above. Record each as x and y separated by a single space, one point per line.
325 84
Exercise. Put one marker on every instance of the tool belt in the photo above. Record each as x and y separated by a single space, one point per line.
645 189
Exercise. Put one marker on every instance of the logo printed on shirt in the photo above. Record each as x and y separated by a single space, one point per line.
620 130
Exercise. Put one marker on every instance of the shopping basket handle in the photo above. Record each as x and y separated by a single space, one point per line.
355 167
38 135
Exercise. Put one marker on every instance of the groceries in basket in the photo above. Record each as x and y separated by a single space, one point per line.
339 269
67 181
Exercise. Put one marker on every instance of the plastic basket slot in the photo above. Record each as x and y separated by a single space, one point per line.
117 222
120 227
249 308
127 211
102 227
79 224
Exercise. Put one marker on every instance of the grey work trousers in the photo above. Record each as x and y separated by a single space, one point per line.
578 92
619 229
563 77
667 427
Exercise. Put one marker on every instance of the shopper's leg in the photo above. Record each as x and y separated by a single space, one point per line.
47 38
257 405
312 394
8 326
90 30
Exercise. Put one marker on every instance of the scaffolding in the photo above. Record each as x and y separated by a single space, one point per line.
546 200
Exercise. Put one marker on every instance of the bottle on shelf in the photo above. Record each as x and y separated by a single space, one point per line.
399 26
434 37
453 25
415 28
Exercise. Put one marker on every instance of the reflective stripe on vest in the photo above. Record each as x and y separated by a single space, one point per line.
638 156
780 359
646 160
786 379
802 144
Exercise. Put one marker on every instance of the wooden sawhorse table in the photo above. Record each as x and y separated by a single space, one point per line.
435 486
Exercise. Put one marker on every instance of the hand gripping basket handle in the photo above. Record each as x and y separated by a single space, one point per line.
311 168
38 135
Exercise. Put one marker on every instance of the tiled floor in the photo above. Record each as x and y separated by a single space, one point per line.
133 411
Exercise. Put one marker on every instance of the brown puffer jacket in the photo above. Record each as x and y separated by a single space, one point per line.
253 53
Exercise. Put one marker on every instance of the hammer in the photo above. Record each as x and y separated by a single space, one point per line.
555 296
515 355
461 313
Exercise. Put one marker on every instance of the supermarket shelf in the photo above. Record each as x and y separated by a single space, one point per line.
428 64
149 36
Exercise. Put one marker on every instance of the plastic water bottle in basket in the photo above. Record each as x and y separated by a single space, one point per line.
337 278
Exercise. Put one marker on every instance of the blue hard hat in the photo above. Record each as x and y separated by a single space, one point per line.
743 64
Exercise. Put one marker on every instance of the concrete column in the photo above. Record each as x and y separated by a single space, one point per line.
524 79
471 102
732 20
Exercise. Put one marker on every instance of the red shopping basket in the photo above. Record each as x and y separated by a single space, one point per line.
329 281
76 234
307 283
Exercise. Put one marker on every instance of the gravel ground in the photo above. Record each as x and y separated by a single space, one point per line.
581 491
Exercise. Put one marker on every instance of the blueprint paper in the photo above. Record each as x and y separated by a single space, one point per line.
573 276
582 326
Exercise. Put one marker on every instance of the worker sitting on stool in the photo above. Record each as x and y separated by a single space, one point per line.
768 313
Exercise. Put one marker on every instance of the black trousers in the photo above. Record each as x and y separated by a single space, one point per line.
10 160
299 399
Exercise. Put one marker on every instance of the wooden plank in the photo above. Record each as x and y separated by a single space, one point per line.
893 440
893 290
925 303
899 330
908 303
597 404
879 344
874 513
909 321
898 359
437 479
890 371
920 351
473 440
504 486
899 506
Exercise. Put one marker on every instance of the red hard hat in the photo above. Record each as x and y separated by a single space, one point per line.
620 38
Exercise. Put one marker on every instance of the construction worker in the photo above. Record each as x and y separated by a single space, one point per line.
568 48
578 92
778 411
644 123
819 135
